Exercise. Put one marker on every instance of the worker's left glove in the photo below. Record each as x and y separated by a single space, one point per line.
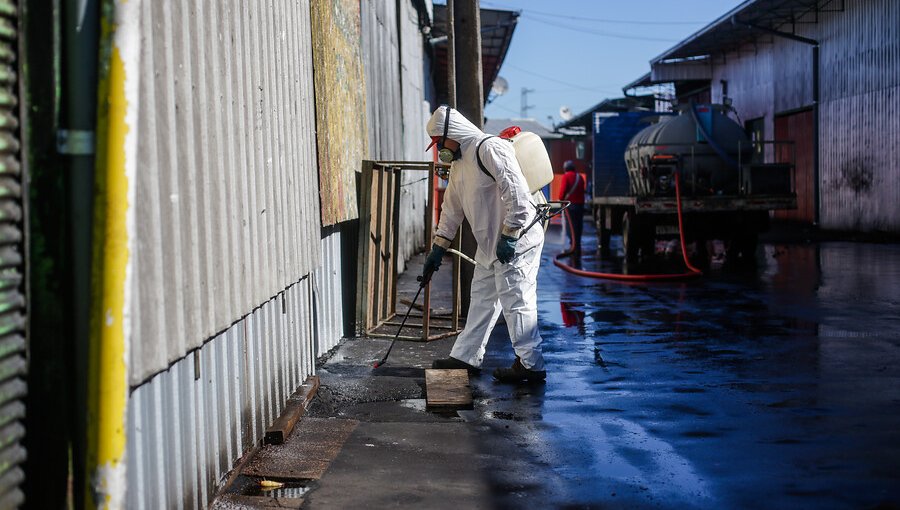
432 263
506 249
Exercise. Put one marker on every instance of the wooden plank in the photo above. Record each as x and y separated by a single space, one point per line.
294 408
447 389
377 239
363 270
429 241
395 246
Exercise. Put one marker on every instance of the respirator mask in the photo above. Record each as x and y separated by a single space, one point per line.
446 155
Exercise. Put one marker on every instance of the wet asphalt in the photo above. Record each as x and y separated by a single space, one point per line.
770 386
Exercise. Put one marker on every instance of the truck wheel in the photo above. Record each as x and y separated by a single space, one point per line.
742 250
604 236
636 238
603 233
629 244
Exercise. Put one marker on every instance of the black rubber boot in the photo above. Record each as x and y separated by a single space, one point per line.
451 363
517 373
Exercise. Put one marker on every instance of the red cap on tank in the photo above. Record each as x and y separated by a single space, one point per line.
510 132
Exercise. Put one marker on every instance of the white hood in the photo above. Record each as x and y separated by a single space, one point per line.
460 130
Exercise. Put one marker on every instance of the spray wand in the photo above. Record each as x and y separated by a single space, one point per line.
423 281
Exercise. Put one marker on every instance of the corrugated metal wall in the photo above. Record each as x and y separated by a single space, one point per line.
393 55
12 300
416 111
380 48
328 288
188 425
750 83
227 180
860 117
859 114
228 218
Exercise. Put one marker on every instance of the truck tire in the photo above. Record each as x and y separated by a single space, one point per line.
637 237
741 251
603 233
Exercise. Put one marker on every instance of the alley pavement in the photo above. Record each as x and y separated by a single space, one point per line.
770 387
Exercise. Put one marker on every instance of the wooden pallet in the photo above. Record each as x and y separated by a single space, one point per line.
447 390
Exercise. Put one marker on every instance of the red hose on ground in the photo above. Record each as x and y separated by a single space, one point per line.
693 271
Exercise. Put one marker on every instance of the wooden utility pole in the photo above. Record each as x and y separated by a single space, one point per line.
466 44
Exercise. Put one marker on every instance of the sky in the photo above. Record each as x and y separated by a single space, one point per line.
575 53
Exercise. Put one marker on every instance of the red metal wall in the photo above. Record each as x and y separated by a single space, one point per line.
798 127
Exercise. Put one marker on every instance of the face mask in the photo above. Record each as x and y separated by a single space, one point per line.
447 156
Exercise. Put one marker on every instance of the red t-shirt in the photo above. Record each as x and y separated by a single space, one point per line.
568 180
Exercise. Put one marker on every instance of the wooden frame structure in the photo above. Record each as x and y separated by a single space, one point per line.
377 277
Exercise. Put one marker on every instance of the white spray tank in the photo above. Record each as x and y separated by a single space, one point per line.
531 154
532 157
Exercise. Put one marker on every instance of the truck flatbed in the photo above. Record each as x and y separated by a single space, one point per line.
668 205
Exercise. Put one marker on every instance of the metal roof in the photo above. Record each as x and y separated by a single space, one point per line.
494 126
620 104
497 28
723 34
643 81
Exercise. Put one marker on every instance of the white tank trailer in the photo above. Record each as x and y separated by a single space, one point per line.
727 186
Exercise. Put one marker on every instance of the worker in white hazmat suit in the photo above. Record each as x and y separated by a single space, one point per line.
488 189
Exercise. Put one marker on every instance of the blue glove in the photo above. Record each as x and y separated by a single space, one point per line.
506 249
432 263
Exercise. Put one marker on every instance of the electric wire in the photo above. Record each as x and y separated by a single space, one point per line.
600 33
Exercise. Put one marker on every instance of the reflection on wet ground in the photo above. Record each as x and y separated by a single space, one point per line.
777 387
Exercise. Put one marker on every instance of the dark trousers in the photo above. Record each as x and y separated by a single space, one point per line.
576 217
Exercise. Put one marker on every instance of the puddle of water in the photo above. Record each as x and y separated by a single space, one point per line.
250 486
283 492
416 404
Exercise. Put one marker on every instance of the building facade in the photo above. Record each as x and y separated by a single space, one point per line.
824 75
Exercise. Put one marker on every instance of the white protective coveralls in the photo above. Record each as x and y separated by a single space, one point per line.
492 206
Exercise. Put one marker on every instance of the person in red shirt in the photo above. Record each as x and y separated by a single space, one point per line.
572 188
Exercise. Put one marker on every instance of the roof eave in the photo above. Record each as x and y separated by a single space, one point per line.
703 31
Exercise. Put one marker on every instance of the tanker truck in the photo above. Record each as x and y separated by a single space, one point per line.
726 181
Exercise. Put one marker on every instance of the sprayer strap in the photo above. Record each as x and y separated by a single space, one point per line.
478 157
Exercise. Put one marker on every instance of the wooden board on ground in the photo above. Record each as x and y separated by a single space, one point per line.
294 408
447 389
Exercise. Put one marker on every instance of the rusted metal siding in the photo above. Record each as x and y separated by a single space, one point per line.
227 183
860 117
12 263
340 105
188 425
393 56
